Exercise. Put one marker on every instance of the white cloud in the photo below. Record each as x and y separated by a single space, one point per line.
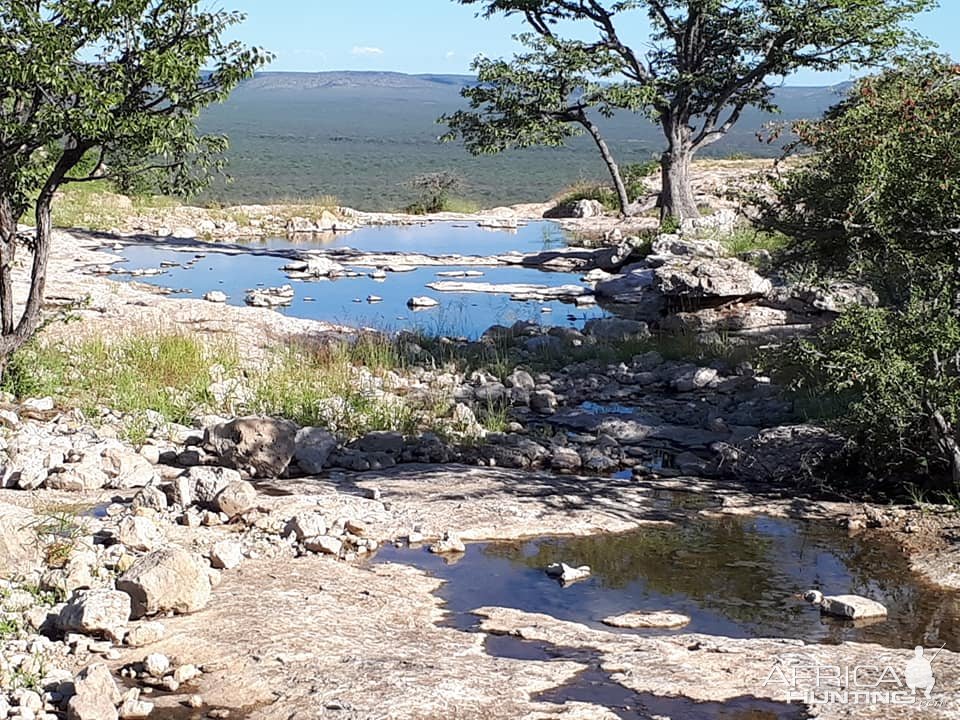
450 54
361 50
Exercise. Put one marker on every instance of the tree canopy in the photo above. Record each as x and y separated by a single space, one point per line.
106 90
704 63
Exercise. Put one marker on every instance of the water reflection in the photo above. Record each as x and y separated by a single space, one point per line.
733 576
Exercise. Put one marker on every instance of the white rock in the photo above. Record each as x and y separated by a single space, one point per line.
156 664
140 533
97 612
226 554
96 695
215 296
852 607
44 404
422 301
566 574
145 633
306 525
640 619
449 543
170 579
325 544
133 708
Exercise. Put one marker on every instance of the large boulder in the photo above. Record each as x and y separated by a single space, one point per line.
167 580
257 446
584 208
97 612
710 278
96 695
785 453
312 448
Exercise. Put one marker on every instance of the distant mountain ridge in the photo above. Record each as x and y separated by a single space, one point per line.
328 79
352 79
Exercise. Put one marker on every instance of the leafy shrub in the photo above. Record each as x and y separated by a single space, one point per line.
879 200
634 174
437 192
884 373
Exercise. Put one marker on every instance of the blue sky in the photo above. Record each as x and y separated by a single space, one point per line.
438 36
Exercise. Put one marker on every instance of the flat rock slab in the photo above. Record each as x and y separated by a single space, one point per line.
706 668
482 503
303 637
638 620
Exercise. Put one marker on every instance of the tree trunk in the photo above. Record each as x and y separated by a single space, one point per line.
8 251
676 196
622 197
21 331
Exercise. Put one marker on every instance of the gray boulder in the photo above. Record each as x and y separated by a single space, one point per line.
785 453
257 446
312 448
616 329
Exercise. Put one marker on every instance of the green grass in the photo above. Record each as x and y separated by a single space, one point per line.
9 628
59 530
342 385
326 386
96 206
746 239
167 373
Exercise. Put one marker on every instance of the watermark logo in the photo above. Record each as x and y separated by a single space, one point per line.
881 683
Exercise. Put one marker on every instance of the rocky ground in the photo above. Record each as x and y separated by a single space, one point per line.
221 568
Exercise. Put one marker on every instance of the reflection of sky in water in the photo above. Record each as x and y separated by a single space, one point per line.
335 300
432 239
735 577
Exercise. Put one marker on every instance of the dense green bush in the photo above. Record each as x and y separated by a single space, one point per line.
880 375
879 202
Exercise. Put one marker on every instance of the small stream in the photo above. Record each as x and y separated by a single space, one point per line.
733 576
344 301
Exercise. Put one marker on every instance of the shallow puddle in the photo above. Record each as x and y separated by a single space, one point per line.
344 300
734 576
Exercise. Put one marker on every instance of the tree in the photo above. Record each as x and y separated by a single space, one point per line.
105 90
542 98
708 61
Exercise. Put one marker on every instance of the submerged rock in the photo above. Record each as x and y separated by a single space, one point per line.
270 297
